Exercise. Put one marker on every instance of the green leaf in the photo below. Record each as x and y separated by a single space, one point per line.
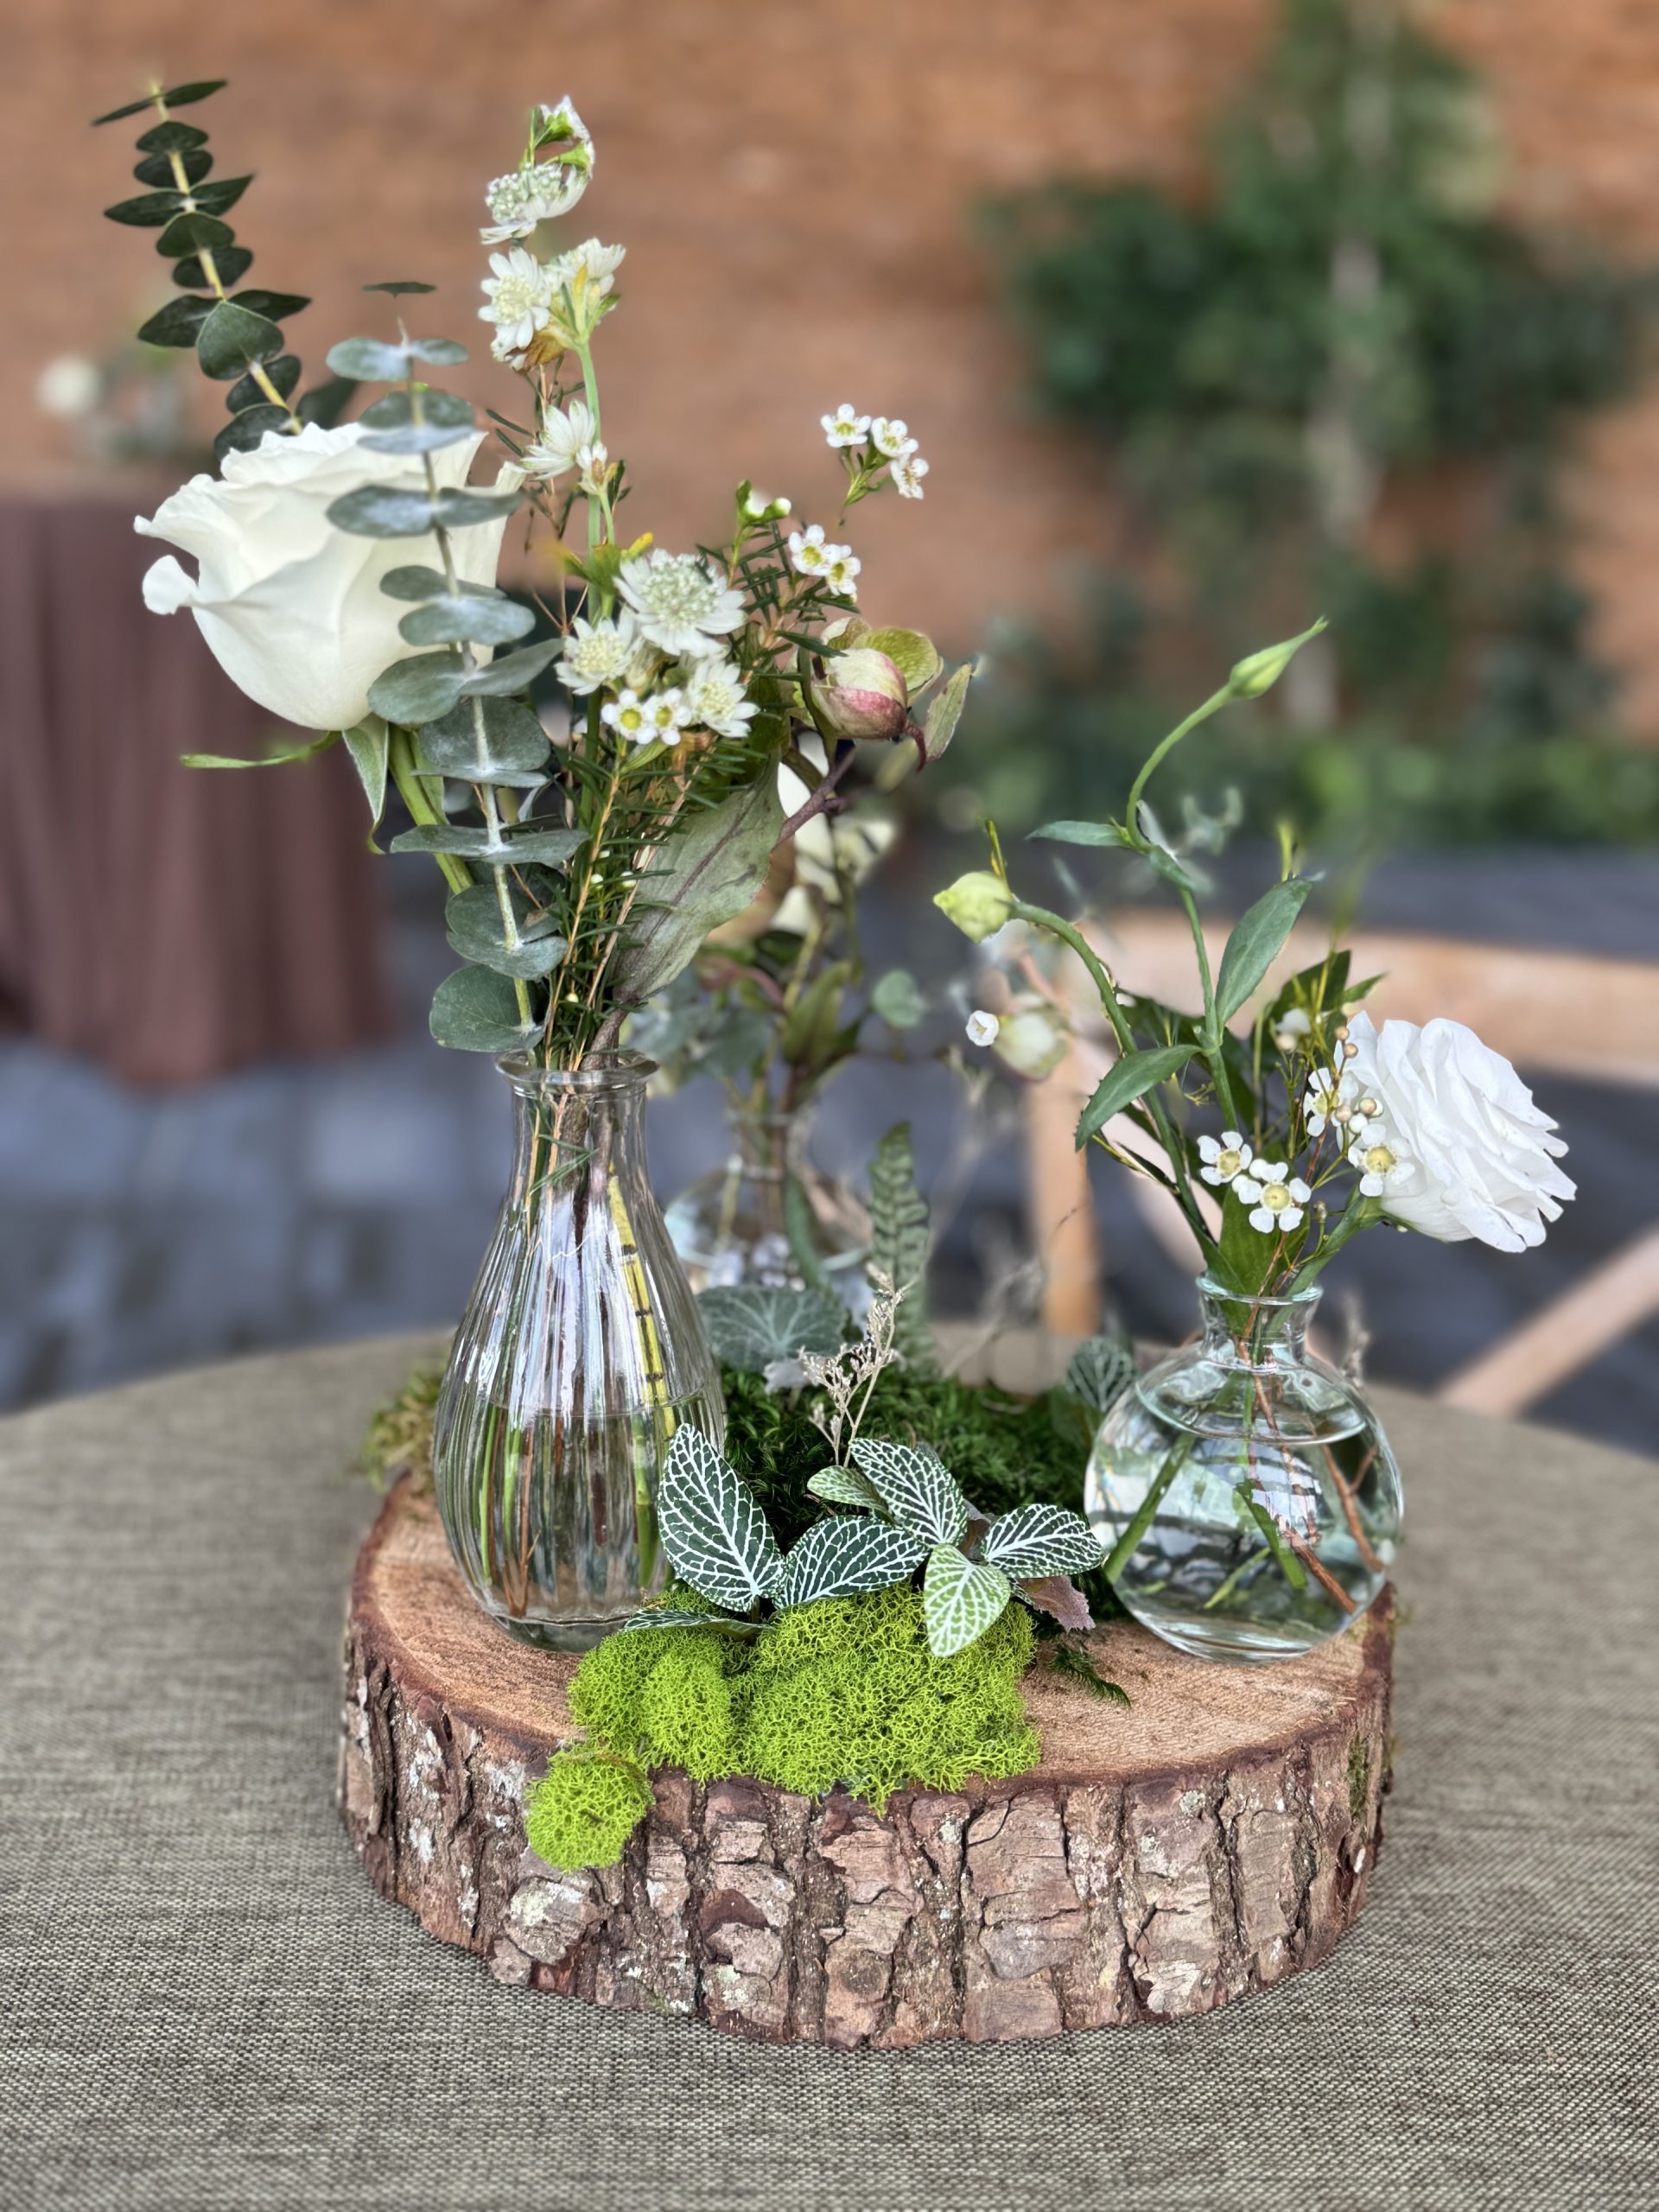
246 432
1130 1079
180 96
841 1557
509 672
148 210
1070 1659
944 712
899 1241
368 360
196 234
219 194
326 403
472 920
230 262
158 167
1251 1507
516 745
751 1325
525 842
170 137
1083 833
306 750
282 371
477 1011
416 582
176 324
277 306
713 1529
1257 939
232 339
911 653
398 286
1102 1368
898 999
369 748
1040 1540
844 1486
961 1600
419 437
920 1494
700 877
418 689
395 410
681 1616
466 619
383 511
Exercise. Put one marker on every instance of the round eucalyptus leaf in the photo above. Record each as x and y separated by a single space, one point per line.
282 371
414 581
399 285
511 671
419 437
171 137
516 747
396 409
466 619
195 234
276 306
418 689
232 339
477 932
326 402
230 262
177 323
157 168
464 510
475 1010
220 193
369 361
245 430
444 352
528 841
179 96
382 511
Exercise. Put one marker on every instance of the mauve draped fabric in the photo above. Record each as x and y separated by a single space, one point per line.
167 922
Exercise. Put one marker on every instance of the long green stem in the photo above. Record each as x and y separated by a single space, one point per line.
1211 705
400 760
1129 1543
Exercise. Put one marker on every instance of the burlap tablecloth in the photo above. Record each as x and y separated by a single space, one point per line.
206 2005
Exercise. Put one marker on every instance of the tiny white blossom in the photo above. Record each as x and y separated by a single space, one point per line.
841 571
682 604
565 431
715 698
808 554
629 715
596 654
759 508
1382 1164
982 1027
1328 1098
1295 1023
595 462
665 715
518 299
1224 1158
1275 1203
890 436
844 428
908 473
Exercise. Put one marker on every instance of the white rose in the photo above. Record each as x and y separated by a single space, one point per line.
828 850
291 607
1483 1157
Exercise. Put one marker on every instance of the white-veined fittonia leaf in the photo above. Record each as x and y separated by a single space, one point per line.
682 1616
713 1530
960 1598
1036 1540
916 1490
845 1486
838 1558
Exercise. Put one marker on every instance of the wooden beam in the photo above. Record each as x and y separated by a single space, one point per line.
1564 1336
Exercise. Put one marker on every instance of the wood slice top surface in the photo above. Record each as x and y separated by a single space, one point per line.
1184 1712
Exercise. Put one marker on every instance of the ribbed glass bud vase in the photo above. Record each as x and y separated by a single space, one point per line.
1245 1489
579 1353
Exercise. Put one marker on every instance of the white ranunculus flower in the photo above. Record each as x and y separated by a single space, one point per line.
291 607
1483 1155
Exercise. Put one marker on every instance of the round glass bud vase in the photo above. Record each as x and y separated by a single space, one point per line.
1245 1489
747 1222
579 1353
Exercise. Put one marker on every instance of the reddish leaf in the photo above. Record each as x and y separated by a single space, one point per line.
1058 1594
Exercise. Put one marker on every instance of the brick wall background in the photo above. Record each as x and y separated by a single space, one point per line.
794 185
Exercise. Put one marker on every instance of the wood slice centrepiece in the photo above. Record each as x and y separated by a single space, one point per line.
1214 1838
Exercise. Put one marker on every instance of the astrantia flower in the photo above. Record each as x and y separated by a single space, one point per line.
891 436
1224 1158
590 261
982 1027
1383 1167
538 191
683 605
565 431
908 473
844 428
629 715
808 554
517 297
598 653
1274 1197
595 462
715 698
841 571
1485 1155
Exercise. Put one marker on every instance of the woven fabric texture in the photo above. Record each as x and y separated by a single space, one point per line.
207 2007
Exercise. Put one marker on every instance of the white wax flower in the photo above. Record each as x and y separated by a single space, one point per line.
598 653
1276 1198
845 427
890 435
1382 1164
908 473
809 555
680 604
665 715
1224 1159
982 1027
518 298
628 715
291 607
841 572
1329 1097
1484 1155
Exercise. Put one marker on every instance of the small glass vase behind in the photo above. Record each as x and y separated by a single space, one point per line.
769 1218
579 1353
1245 1489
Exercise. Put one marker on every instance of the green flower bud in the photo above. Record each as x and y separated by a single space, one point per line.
1258 672
1033 1043
979 904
